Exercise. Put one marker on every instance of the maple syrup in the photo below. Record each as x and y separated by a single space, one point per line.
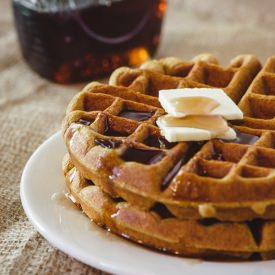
108 143
244 138
143 155
135 115
86 122
158 142
193 105
171 174
216 124
78 40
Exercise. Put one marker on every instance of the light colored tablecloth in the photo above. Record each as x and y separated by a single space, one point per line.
31 109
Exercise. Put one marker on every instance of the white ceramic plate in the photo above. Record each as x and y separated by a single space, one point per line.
42 194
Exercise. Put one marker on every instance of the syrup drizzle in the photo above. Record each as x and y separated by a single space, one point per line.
85 121
256 227
159 142
108 131
137 116
142 155
216 124
208 221
244 138
194 148
194 105
162 211
108 143
171 174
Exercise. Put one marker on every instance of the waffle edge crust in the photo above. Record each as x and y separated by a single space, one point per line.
177 197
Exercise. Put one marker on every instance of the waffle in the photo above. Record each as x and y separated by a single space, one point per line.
258 104
203 71
158 228
193 180
215 197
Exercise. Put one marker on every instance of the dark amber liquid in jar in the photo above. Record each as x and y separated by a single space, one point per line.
89 41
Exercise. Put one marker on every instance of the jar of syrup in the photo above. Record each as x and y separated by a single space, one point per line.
77 40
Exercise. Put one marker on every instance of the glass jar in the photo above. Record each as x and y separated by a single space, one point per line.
78 40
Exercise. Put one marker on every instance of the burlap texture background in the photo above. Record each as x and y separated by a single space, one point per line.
32 108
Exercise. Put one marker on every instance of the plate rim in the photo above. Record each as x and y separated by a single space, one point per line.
70 249
55 241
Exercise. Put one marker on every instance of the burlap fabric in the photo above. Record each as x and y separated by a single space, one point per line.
31 109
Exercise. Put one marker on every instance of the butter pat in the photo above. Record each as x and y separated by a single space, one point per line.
197 101
175 134
194 131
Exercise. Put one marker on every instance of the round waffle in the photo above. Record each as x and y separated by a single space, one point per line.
202 71
193 198
158 228
130 159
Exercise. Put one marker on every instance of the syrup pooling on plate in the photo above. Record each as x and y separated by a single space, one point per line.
64 200
142 155
194 105
134 115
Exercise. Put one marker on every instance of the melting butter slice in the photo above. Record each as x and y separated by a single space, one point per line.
216 124
194 105
199 101
194 128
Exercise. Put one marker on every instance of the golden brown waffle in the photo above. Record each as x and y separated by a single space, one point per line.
202 71
160 229
258 104
203 199
130 159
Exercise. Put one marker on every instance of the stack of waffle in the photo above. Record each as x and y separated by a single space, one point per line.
213 199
